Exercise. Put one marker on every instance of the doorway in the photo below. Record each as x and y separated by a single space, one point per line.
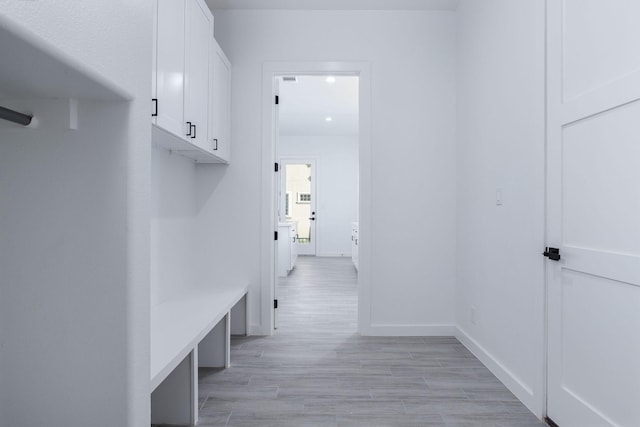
269 223
298 198
317 123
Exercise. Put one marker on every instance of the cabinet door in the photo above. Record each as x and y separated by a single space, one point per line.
154 57
170 60
200 35
284 251
294 246
354 245
219 120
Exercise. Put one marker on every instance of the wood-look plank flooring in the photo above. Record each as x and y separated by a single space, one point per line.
316 371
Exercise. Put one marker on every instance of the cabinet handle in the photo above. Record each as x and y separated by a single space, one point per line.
356 242
215 147
189 124
155 113
194 132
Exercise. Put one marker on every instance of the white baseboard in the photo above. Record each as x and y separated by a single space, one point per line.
521 390
382 330
257 329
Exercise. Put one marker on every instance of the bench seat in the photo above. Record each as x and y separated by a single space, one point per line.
178 326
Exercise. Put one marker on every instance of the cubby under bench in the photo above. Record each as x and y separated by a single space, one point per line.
188 332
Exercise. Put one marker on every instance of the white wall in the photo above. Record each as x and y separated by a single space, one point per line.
75 242
412 55
337 191
173 225
501 143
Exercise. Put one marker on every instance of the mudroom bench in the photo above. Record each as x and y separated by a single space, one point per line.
191 331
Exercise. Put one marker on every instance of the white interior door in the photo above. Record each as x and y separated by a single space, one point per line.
298 203
593 213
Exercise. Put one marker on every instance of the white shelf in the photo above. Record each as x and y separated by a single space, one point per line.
33 68
179 145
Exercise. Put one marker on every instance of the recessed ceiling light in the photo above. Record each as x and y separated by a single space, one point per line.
328 119
331 79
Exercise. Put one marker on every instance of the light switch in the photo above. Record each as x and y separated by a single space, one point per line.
498 197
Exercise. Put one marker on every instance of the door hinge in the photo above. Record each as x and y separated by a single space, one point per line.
276 167
552 253
277 100
275 303
275 235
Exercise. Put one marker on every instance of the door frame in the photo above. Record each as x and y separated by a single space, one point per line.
269 219
284 160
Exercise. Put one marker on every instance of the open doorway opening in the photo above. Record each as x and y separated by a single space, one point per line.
317 148
298 199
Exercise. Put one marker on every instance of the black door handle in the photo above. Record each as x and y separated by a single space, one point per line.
215 147
190 125
552 253
312 219
155 100
194 132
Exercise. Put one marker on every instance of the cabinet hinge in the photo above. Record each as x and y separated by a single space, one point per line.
275 235
277 100
276 167
275 303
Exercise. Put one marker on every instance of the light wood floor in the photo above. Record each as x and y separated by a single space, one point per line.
317 371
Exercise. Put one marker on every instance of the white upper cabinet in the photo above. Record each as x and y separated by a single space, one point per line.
188 114
199 39
220 103
169 64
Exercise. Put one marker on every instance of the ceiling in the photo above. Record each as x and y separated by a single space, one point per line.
335 4
306 104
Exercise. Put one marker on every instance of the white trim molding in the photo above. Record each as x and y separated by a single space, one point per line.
256 329
516 385
388 330
335 4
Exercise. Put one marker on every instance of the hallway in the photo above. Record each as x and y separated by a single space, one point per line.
316 371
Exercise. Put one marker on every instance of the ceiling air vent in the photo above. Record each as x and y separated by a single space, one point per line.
290 79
